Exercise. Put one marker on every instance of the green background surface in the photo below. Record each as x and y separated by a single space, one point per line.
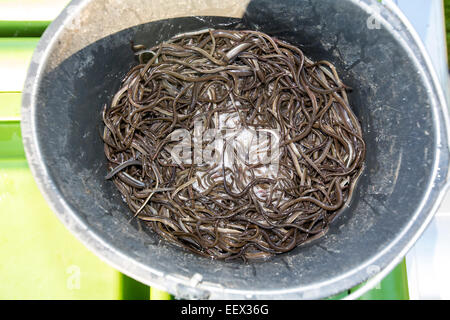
39 257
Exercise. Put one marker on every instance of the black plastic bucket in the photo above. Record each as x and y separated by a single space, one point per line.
84 54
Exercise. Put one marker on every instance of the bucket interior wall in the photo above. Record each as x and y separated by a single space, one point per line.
388 96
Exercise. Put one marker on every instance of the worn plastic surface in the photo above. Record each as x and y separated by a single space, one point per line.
393 96
428 261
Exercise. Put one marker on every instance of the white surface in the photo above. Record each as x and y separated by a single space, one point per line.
31 10
428 262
